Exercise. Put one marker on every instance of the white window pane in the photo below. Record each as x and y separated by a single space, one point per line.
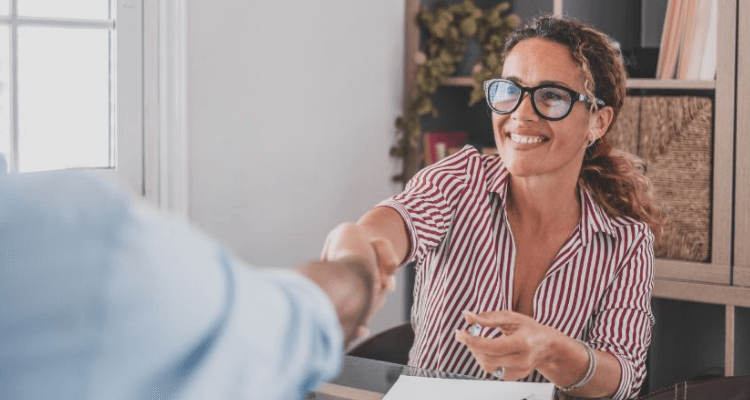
4 7
5 93
80 9
63 98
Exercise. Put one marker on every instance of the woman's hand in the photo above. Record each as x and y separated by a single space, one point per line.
524 346
350 240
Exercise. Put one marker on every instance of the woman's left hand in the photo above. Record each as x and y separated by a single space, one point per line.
524 346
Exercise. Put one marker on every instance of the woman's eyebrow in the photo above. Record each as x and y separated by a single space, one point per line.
550 82
518 81
512 79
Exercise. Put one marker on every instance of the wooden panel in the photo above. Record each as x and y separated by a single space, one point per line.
741 273
742 189
702 292
721 237
411 47
729 342
557 8
412 158
465 81
691 271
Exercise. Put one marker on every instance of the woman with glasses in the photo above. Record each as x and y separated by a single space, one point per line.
535 264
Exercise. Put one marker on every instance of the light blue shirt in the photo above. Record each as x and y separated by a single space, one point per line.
100 297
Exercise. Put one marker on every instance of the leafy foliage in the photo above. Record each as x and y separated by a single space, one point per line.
446 30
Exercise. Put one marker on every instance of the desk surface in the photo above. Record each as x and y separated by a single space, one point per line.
363 379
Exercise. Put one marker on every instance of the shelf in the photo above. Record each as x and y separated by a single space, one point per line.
701 292
459 81
640 83
692 271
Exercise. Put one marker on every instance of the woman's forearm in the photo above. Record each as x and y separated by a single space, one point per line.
386 223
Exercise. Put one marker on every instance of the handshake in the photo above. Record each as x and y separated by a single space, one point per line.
356 271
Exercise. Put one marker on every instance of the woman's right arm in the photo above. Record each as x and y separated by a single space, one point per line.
387 224
381 230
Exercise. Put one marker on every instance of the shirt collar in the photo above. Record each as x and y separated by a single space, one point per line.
497 177
593 218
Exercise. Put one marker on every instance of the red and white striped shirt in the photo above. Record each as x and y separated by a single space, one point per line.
597 289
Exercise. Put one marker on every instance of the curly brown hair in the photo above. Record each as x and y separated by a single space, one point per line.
616 179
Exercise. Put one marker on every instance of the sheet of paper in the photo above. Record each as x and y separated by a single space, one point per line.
421 388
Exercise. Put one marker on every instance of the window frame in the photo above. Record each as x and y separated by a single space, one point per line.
126 97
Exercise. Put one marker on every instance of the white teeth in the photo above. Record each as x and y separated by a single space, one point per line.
526 139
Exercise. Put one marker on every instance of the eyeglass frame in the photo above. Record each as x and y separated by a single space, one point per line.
574 97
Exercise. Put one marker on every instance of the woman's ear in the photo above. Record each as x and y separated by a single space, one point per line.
602 119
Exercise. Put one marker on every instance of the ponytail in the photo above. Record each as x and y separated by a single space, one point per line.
617 181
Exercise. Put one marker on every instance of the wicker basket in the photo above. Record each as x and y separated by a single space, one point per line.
673 136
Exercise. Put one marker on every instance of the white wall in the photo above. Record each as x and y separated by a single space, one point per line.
292 107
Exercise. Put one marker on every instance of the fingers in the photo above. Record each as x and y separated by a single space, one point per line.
496 347
386 255
387 262
491 354
504 319
363 332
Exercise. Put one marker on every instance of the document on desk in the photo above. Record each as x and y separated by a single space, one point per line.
421 388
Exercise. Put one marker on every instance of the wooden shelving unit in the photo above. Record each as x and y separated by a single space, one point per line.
466 81
725 279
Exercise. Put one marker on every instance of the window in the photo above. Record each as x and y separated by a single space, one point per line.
71 92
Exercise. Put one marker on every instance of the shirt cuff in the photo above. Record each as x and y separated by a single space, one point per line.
627 375
399 208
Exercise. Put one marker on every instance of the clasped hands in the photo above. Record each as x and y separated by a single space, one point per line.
525 345
348 240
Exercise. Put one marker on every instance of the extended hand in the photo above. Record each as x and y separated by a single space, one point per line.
525 345
349 240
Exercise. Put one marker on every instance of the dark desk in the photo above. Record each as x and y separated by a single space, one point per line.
363 379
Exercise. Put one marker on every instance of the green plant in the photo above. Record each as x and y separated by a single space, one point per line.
446 32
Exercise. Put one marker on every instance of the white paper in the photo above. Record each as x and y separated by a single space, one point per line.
421 388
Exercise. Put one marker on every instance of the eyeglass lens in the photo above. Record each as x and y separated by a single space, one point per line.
550 102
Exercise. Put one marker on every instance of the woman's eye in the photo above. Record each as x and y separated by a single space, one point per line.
551 95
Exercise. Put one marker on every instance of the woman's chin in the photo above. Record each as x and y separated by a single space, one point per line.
521 169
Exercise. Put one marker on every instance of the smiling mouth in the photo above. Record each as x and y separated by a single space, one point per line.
527 139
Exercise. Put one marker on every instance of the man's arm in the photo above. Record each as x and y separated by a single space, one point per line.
350 284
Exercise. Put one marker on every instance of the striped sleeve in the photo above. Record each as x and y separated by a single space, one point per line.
623 321
429 201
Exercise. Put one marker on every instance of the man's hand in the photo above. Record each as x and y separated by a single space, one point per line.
349 242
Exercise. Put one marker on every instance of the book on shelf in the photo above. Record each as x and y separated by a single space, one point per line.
688 45
670 39
688 41
708 61
440 144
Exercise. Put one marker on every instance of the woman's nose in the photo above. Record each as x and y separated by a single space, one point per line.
525 110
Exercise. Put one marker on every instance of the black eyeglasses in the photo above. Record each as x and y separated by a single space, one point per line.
551 102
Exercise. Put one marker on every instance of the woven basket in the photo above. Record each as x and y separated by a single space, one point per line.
673 136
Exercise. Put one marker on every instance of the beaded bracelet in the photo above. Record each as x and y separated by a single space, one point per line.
589 373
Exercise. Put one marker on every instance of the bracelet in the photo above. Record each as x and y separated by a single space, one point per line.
589 373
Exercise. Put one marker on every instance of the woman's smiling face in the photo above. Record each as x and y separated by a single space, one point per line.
528 144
